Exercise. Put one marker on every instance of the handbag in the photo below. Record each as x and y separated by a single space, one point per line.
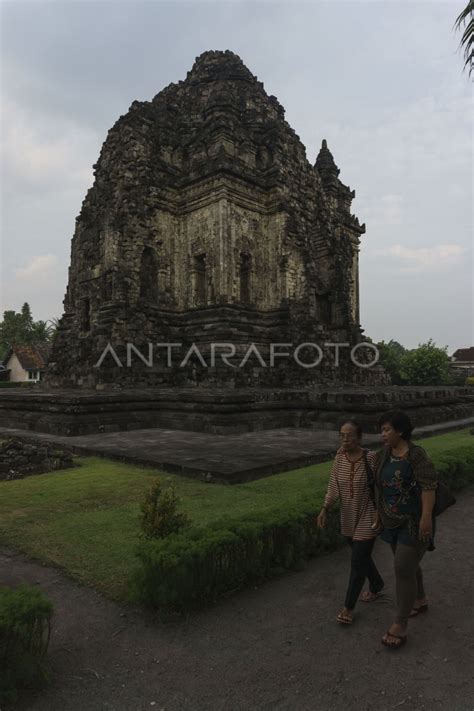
444 499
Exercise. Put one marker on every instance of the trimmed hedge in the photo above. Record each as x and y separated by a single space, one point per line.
25 627
188 569
455 467
17 384
199 566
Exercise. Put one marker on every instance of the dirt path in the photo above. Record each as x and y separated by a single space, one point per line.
277 647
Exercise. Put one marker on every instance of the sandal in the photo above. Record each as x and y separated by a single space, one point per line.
344 619
418 610
369 596
401 640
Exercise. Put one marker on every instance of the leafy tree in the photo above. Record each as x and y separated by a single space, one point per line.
391 355
466 20
26 319
426 365
9 329
21 329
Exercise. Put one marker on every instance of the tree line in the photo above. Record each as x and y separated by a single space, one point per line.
426 365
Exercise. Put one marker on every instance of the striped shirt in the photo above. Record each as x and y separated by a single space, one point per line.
348 483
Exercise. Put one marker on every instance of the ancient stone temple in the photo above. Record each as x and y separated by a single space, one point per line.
208 232
207 223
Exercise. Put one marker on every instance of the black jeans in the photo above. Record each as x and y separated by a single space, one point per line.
362 567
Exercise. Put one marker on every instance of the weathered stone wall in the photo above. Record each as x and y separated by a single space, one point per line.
19 459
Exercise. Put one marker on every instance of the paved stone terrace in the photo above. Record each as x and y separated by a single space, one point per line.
233 458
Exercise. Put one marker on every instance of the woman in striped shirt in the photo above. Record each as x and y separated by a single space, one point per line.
349 483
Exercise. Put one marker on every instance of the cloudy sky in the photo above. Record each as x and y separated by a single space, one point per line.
383 82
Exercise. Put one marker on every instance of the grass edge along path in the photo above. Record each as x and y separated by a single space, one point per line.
85 520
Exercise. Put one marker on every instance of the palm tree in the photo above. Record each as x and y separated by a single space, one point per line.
41 332
466 21
53 325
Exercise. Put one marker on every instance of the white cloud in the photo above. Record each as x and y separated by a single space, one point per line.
50 154
41 266
441 257
388 210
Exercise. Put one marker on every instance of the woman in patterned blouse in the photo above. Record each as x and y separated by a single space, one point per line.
349 484
405 484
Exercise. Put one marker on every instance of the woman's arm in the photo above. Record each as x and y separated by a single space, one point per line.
373 459
427 479
428 497
332 494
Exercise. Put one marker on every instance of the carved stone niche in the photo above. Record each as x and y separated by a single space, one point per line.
221 142
199 154
264 158
199 280
85 315
245 278
148 276
180 158
325 309
246 154
107 287
283 267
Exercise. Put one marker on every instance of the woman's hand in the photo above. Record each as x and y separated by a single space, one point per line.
426 527
321 519
377 524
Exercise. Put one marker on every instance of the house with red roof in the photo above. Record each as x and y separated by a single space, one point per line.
26 363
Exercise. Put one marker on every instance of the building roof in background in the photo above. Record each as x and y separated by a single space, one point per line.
464 354
33 357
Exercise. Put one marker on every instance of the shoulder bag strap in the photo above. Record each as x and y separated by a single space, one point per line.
370 475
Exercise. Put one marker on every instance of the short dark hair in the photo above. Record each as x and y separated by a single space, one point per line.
399 421
355 424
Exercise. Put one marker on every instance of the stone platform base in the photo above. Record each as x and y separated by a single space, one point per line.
73 413
230 459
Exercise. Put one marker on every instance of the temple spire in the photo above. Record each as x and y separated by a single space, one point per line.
326 166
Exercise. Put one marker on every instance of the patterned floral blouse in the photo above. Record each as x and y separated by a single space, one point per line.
396 479
399 503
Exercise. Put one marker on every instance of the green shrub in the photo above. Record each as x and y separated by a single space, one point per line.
160 515
202 564
198 566
25 627
470 380
456 467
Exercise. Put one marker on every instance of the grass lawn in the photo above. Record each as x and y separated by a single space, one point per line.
86 519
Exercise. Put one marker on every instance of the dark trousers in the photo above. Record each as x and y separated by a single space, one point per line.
362 567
